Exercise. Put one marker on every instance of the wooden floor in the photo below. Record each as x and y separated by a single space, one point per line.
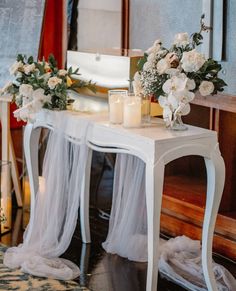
100 271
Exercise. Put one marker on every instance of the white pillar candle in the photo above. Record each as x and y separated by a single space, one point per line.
132 112
116 109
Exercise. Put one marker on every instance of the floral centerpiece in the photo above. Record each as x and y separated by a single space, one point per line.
40 85
174 75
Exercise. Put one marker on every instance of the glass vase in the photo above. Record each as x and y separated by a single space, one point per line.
177 123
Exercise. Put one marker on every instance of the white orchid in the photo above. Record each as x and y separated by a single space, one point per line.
176 83
167 109
178 96
183 109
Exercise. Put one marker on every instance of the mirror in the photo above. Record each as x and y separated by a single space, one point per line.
95 24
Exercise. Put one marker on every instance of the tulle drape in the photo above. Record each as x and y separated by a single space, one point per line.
56 210
179 258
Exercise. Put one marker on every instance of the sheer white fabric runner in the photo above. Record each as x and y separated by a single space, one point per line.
179 258
56 209
56 213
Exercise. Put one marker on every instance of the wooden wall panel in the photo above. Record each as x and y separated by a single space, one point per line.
227 141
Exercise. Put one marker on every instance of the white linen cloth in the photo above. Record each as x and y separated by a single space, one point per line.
56 208
179 258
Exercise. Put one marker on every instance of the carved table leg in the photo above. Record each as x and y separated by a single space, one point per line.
215 184
154 188
84 201
31 144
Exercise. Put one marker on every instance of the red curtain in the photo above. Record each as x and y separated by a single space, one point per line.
53 39
53 33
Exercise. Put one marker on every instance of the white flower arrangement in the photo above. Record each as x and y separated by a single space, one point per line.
40 85
173 75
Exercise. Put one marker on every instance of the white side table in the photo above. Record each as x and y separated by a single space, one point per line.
156 146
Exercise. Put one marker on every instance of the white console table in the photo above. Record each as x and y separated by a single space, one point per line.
156 146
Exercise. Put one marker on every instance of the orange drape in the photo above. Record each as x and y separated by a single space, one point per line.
53 39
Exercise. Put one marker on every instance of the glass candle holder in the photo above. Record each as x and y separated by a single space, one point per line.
116 104
132 111
146 109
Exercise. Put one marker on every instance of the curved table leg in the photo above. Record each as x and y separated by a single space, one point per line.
31 145
84 201
215 184
154 189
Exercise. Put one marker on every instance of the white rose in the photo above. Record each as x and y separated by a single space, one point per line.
29 68
154 48
181 39
15 67
62 73
162 66
53 82
192 61
190 85
26 90
206 88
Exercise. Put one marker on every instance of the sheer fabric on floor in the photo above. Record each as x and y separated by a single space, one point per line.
56 210
179 258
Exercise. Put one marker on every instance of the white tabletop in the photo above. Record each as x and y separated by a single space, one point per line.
155 132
